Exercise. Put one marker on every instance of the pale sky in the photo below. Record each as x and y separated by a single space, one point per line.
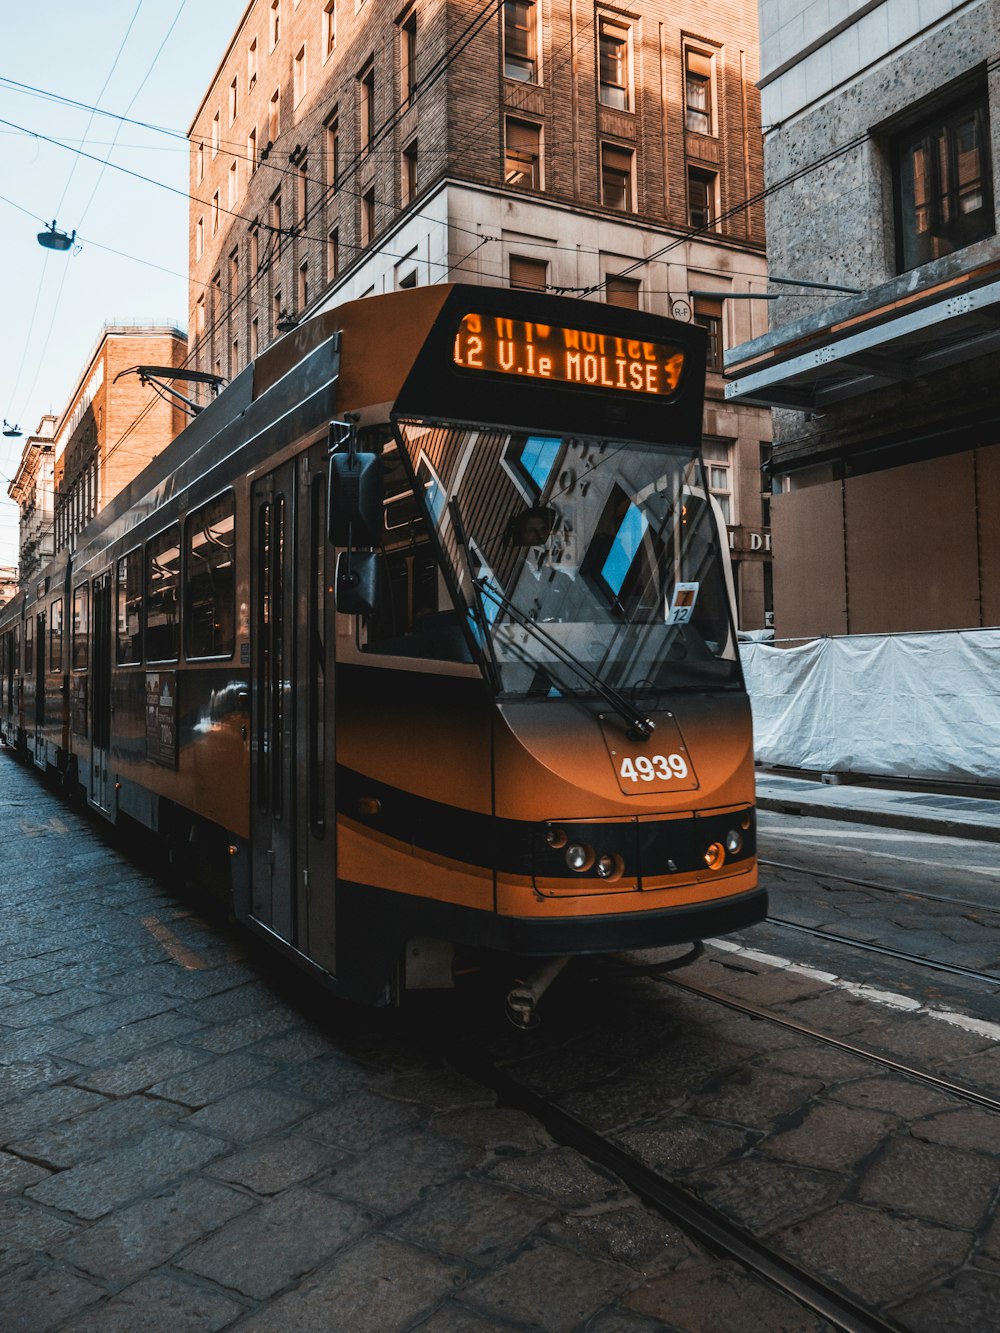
55 304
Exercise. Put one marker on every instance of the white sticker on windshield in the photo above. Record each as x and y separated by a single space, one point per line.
682 603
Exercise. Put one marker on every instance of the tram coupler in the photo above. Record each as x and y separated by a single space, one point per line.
523 996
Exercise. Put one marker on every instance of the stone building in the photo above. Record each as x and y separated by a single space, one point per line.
882 149
111 428
353 147
8 584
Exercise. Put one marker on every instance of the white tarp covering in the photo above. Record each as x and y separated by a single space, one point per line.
901 705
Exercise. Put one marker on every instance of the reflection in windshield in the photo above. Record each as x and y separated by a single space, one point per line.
628 579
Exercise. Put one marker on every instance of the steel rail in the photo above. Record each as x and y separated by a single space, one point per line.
698 1219
838 1043
991 979
880 888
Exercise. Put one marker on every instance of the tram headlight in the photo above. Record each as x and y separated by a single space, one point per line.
556 837
610 867
733 842
579 857
715 857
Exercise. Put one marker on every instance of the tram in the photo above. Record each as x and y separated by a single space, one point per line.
419 640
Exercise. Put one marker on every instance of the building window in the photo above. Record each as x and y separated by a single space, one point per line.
615 76
200 162
303 292
274 116
708 313
702 211
252 150
523 154
366 105
520 40
234 183
409 164
698 91
234 275
944 185
616 177
407 32
277 312
333 254
275 219
215 134
275 22
233 99
409 282
329 29
302 190
299 75
767 486
622 291
332 151
528 274
252 63
215 212
368 216
254 338
718 466
253 259
199 318
199 238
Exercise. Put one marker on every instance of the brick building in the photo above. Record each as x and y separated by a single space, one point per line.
882 150
349 148
111 428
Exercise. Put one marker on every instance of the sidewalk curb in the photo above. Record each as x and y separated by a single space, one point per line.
952 828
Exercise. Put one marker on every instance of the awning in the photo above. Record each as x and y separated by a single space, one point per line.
868 349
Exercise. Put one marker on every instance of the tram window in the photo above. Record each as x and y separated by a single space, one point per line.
163 592
55 635
80 626
29 645
129 632
209 582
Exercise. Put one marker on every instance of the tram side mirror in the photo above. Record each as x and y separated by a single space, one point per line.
531 527
355 507
357 582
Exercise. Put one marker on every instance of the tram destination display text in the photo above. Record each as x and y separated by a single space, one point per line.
529 350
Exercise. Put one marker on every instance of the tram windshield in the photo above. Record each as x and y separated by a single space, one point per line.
583 562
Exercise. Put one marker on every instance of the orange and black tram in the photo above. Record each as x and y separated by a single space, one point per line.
419 642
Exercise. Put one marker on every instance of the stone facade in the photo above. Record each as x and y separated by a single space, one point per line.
371 147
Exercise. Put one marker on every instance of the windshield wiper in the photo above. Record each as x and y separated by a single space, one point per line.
640 727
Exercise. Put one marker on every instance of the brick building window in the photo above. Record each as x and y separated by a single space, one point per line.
697 91
616 178
522 154
299 75
408 56
234 99
332 150
333 253
215 134
234 184
409 166
329 28
520 40
718 465
199 157
234 275
274 116
274 22
366 105
702 207
708 313
368 216
215 212
252 64
199 238
622 291
943 184
303 284
302 189
254 338
528 274
614 41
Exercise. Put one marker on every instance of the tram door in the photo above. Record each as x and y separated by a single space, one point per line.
293 838
100 694
39 718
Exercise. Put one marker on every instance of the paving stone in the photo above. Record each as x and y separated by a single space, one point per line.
684 1067
246 1031
22 1044
47 1007
898 1096
115 1047
831 1137
755 1097
873 1254
494 1127
973 1129
97 1186
295 1046
327 1079
615 1321
209 1081
926 1180
161 1303
982 1071
451 1318
553 1073
22 1077
270 1167
24 1228
473 1220
442 1089
719 1298
250 997
35 1297
549 1286
277 1243
991 1241
360 1120
817 1061
762 1194
560 1175
381 1285
679 1144
768 987
16 1175
143 1071
169 977
392 1174
136 1239
113 1014
935 1045
620 1102
251 1113
107 1126
967 1304
45 1108
624 1232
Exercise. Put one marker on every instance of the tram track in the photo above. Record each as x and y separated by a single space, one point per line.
896 890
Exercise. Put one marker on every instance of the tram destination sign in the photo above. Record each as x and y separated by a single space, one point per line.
501 346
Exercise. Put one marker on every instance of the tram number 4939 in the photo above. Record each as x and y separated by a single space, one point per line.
653 767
